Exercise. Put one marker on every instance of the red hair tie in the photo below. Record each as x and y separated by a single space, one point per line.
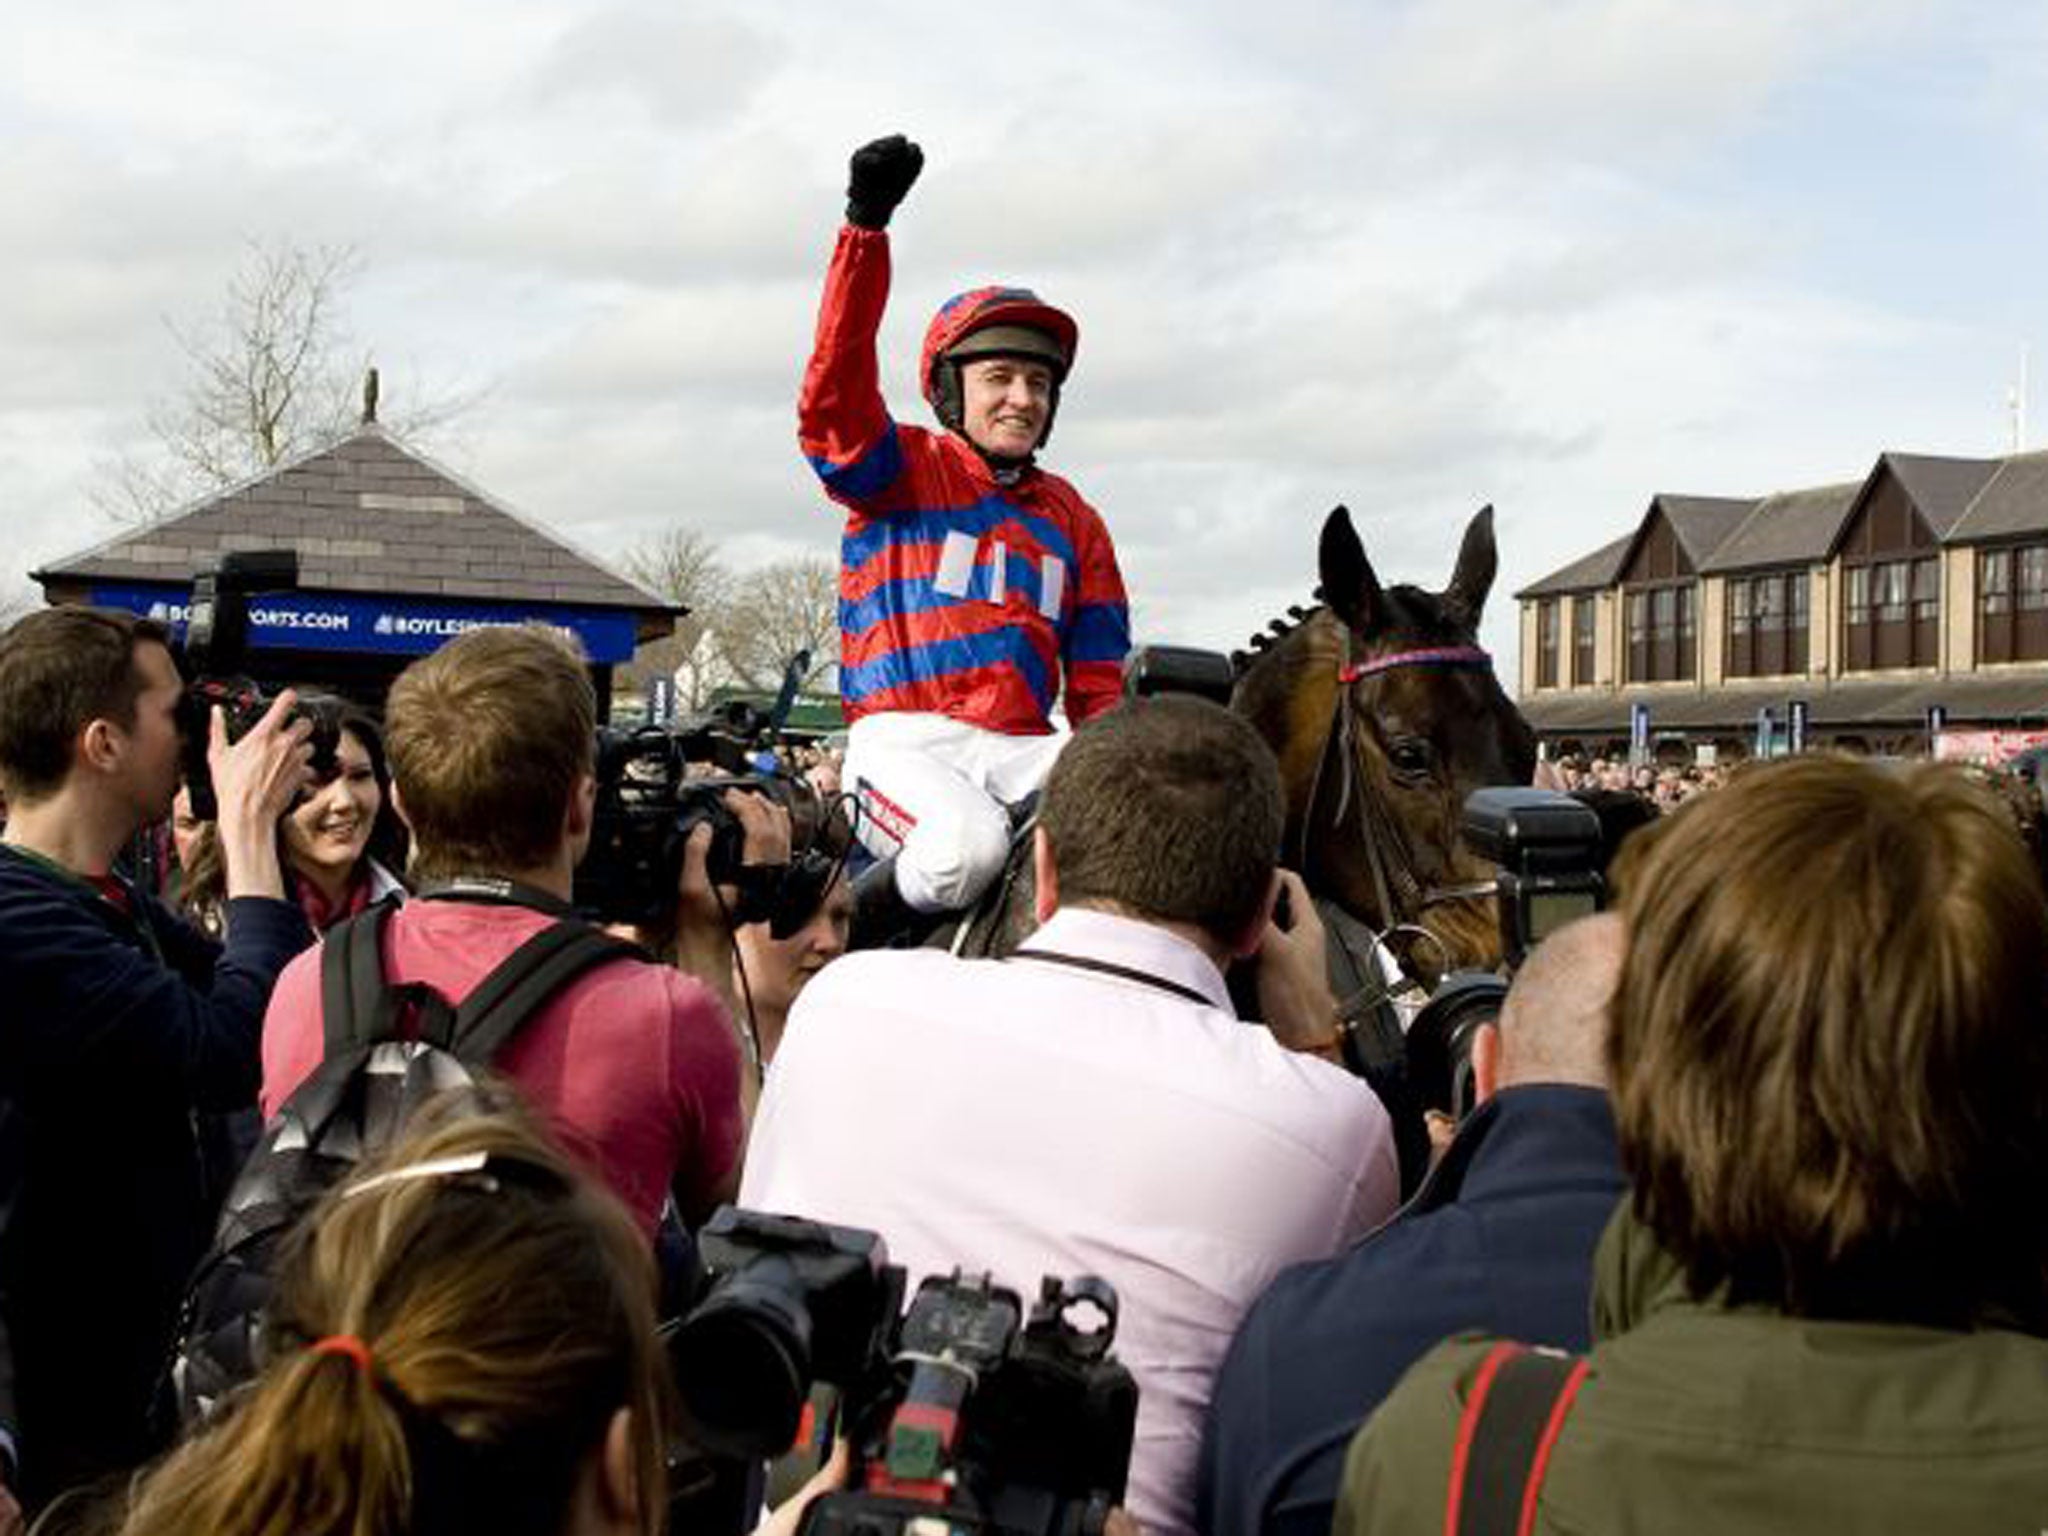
344 1344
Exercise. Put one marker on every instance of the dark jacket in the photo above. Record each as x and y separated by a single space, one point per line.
1500 1237
118 1030
1701 1417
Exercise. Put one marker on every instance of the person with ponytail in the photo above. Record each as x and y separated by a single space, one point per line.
462 1339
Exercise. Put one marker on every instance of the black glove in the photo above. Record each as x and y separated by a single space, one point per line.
880 175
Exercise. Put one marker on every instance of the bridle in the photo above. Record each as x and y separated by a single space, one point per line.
1386 851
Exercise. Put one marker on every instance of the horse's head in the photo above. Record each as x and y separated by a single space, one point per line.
1385 714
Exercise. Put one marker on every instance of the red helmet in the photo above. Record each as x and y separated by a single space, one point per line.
1019 324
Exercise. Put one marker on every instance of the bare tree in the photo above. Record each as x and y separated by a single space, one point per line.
776 612
682 565
274 374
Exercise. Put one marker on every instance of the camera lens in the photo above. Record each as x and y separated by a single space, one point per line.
743 1362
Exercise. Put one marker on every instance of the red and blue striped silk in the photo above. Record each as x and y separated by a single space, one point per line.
958 595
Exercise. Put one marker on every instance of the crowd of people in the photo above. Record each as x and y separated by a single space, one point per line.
1745 1231
1665 786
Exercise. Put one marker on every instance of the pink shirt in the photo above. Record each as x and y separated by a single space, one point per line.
633 1063
1029 1119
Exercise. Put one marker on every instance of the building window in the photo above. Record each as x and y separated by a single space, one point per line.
2012 604
1891 615
1661 639
1768 624
1546 642
1582 640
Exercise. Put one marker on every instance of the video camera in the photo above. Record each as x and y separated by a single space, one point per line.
965 1407
1550 849
655 786
212 657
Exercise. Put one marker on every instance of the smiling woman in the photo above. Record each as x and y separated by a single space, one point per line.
339 842
340 846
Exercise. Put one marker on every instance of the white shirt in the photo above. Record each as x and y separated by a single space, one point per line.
1027 1118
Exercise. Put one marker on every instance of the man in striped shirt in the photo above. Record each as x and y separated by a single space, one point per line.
972 582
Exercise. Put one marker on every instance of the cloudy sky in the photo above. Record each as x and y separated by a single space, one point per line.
1553 254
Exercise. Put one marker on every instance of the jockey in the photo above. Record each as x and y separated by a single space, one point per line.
970 578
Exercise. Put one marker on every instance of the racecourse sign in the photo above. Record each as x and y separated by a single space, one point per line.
328 621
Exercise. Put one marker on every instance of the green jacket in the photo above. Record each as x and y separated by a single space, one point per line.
1700 1417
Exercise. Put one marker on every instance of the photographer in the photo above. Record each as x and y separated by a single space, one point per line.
1094 1105
492 748
1499 1237
772 972
124 1023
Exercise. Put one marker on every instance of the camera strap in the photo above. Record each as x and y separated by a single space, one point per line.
494 891
1111 968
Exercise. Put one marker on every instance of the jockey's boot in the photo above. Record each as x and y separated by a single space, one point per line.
881 917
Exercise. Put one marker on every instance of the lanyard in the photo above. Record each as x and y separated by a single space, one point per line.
1110 968
496 891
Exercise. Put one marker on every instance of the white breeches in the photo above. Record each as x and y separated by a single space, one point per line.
934 794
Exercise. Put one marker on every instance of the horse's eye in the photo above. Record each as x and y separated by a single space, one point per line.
1410 755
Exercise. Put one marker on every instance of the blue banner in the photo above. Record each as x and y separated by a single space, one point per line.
1639 734
1766 732
389 626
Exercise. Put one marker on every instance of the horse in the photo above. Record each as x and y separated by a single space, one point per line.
1385 714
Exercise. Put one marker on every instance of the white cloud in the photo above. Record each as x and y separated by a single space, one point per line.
1556 254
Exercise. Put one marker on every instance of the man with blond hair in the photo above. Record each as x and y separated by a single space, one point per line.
492 747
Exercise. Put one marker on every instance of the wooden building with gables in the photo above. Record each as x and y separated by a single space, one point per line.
1879 613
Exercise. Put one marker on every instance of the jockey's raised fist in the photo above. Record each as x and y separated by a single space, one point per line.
879 176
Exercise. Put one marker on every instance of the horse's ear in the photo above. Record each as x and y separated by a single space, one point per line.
1465 597
1348 583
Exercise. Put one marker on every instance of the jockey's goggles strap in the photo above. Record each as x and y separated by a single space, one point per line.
1435 656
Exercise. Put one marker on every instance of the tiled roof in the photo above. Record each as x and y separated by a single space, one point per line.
1702 522
369 515
2013 501
1940 487
1789 528
1588 573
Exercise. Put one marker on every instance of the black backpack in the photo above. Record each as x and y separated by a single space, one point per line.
374 1075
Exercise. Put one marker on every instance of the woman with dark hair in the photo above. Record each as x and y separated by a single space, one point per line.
342 839
1825 1305
341 846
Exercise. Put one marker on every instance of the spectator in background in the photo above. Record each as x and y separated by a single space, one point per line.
1825 1305
1499 1238
123 1023
342 844
775 971
1093 1105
